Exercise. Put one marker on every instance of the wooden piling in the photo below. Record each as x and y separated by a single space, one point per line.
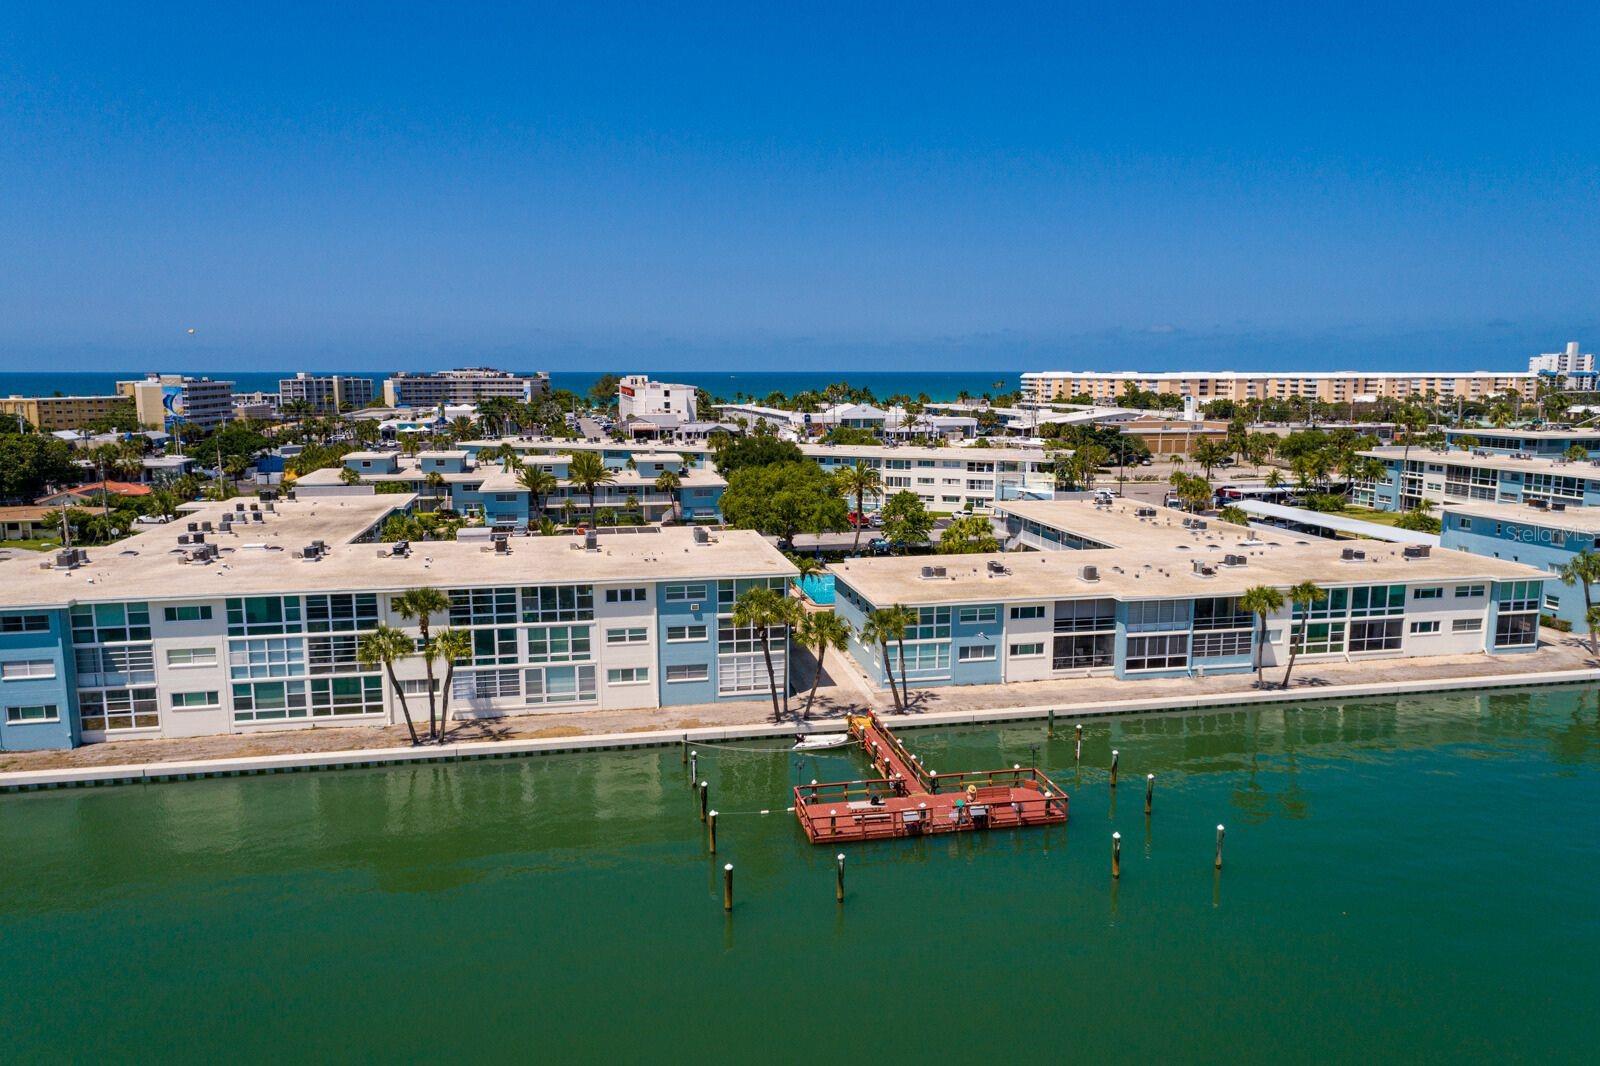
705 796
1116 855
1220 832
1051 730
1114 757
685 749
694 767
711 831
838 885
727 887
1149 792
1077 751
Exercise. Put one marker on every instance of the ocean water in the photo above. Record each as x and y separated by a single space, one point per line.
939 386
1405 880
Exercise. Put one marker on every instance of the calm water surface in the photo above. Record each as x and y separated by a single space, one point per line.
1404 878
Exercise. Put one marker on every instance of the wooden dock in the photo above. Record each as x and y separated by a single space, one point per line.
904 799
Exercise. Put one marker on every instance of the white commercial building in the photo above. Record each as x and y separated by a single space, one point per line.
659 401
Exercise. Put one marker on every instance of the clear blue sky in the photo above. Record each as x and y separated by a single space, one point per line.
890 186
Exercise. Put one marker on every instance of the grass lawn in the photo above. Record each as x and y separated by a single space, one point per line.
36 545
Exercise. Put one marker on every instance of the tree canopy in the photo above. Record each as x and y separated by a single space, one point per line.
782 499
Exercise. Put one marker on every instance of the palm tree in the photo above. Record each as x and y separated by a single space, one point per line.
540 483
462 428
1261 601
419 605
669 482
764 610
587 471
862 482
384 646
1584 569
1234 515
1302 596
902 619
1209 453
819 631
452 646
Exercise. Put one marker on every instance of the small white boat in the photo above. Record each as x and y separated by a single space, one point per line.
819 741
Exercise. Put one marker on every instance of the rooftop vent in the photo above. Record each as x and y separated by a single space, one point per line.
997 569
71 558
1199 523
591 541
186 538
701 535
1557 505
1144 512
1415 551
312 551
1234 560
402 548
1089 573
1537 503
205 527
502 546
1203 568
193 527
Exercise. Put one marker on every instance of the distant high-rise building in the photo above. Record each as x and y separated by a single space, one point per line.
50 413
1325 386
163 401
472 384
1563 364
667 404
326 394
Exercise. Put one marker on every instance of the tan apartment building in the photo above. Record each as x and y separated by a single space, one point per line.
1334 386
50 413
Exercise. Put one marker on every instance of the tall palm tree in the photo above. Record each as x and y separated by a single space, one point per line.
540 483
385 646
1584 569
1302 596
669 482
861 482
452 646
1261 601
819 631
419 605
901 620
588 472
764 610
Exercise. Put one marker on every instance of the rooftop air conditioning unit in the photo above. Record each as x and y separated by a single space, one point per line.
701 536
401 548
70 558
1415 551
205 527
186 538
939 571
1556 505
1347 554
192 526
1357 554
312 551
502 546
927 572
997 568
1234 560
1199 523
1089 573
591 541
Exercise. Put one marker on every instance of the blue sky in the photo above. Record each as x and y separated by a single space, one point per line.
881 185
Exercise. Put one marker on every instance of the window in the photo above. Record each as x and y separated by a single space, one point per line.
1319 638
682 593
342 613
975 653
1467 625
1374 636
923 658
24 623
333 655
1157 653
1516 631
1222 645
199 612
637 635
625 595
977 615
266 657
496 647
560 644
685 634
482 607
560 684
1469 591
486 684
253 615
33 714
1518 595
269 701
181 657
24 669
1080 616
117 664
1033 611
1081 651
1221 613
1376 600
106 623
418 686
1157 615
558 603
1027 651
113 709
628 675
185 700
933 623
1423 628
1434 593
346 695
739 673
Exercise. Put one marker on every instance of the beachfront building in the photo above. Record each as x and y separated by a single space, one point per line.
1571 368
653 408
949 478
1141 592
164 401
467 385
1535 533
1334 387
324 394
48 414
471 482
886 423
1442 476
246 617
1538 443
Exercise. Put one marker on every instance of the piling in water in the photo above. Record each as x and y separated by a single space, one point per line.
1114 757
705 797
727 887
1077 750
1220 832
838 885
1051 731
694 767
711 831
1116 854
1149 792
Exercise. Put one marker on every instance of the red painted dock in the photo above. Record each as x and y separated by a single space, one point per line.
905 800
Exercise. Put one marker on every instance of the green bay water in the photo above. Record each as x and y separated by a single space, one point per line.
1404 878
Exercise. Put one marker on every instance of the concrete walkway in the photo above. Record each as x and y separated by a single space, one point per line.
1564 661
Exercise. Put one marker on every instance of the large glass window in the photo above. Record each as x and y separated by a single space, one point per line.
1374 636
252 615
1158 653
24 623
1082 651
482 607
559 644
1081 616
1150 616
346 695
1518 595
117 664
494 647
933 623
1320 638
559 684
342 613
486 684
1222 645
267 657
558 603
1375 600
1516 630
106 623
333 655
109 710
1221 613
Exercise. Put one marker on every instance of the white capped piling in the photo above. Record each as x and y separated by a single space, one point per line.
1114 758
1077 752
1220 832
727 887
838 885
711 832
1116 855
705 797
1149 792
694 767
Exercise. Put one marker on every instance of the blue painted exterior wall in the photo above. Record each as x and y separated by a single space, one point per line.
52 643
977 634
1531 542
671 613
1507 441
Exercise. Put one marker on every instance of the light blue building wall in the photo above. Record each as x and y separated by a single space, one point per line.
1541 539
1543 443
686 632
37 688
